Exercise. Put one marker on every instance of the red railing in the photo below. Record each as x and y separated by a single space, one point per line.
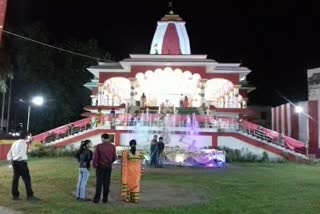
274 137
178 121
62 131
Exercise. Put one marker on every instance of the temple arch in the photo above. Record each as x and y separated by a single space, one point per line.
116 91
222 93
165 86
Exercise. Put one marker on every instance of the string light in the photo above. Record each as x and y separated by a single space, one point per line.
54 47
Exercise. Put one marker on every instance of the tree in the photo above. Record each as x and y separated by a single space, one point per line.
5 73
57 75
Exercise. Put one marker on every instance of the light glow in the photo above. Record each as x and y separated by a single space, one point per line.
298 109
179 158
38 100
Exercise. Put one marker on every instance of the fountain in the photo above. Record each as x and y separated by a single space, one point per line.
190 148
184 146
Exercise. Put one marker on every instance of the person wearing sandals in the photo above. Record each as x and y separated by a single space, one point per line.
131 171
84 156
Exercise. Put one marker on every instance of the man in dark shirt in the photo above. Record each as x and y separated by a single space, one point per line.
154 151
103 157
160 152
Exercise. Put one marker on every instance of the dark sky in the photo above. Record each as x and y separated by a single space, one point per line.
277 41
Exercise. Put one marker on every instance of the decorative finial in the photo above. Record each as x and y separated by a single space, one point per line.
170 6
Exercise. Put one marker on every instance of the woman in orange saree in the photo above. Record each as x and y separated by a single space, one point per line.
131 171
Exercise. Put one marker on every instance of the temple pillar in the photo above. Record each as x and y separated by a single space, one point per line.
94 100
226 101
236 103
244 102
132 91
100 94
203 83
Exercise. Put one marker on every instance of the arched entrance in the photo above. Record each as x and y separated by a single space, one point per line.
116 91
166 86
222 93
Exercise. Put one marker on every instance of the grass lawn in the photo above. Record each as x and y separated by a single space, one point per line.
241 188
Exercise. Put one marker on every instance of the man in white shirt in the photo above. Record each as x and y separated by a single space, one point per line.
17 155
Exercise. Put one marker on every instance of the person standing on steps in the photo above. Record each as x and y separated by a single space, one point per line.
143 100
103 157
113 118
18 157
185 102
181 101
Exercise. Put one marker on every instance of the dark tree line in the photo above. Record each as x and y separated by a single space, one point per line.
57 76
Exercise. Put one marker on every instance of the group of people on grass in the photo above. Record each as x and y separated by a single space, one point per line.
156 152
101 159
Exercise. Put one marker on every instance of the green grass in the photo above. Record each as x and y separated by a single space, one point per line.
242 188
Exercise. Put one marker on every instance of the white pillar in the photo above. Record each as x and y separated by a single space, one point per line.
236 96
226 101
244 103
203 83
132 91
100 88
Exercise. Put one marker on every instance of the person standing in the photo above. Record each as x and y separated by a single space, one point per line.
160 152
100 117
103 157
154 151
185 102
143 100
113 118
181 100
17 155
131 171
84 156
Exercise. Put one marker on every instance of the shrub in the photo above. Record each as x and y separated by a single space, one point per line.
51 151
265 157
250 157
236 155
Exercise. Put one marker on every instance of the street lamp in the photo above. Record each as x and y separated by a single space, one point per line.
298 109
37 101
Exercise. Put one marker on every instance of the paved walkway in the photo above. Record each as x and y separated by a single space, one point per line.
7 211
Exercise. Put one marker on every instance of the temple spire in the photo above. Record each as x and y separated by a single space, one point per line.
171 37
170 7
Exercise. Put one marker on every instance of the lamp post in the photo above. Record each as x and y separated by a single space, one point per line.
38 101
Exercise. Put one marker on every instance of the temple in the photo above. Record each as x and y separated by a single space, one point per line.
197 105
169 75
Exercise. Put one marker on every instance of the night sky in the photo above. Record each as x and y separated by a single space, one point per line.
277 41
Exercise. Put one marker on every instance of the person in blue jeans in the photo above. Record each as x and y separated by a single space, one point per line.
84 156
160 152
154 152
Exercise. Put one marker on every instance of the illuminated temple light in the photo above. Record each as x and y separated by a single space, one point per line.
168 70
179 159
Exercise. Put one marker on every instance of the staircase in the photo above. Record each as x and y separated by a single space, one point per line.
272 147
245 131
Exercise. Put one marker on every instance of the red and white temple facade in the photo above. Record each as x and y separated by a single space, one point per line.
194 102
168 74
